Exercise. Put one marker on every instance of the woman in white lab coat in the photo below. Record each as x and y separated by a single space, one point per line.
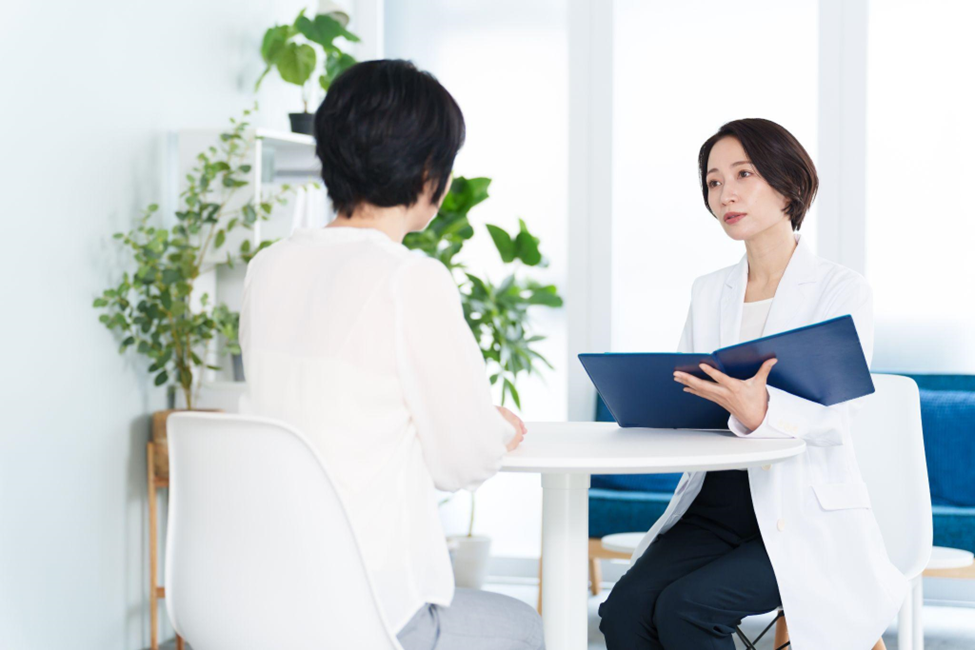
799 534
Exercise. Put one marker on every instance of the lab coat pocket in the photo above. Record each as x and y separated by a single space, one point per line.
841 496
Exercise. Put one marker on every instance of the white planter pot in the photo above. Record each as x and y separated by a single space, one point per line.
469 556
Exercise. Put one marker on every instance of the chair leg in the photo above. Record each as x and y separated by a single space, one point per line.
781 632
595 575
180 645
782 635
153 550
905 623
917 611
539 607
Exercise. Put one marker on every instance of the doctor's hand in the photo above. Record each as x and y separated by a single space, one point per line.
746 399
519 426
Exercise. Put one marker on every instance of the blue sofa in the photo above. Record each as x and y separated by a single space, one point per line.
628 503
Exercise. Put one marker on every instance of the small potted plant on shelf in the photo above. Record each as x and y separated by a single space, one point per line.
154 308
498 315
292 50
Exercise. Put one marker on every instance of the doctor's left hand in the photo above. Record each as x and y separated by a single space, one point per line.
746 399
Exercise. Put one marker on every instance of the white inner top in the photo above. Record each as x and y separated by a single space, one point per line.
753 318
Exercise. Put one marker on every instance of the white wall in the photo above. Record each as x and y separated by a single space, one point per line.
88 94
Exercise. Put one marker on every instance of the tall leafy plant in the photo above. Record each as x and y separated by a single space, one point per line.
152 308
498 314
291 49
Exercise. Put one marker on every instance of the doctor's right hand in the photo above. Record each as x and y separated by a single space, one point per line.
519 426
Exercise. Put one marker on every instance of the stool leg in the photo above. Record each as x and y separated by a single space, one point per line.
595 575
180 644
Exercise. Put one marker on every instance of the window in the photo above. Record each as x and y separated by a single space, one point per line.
919 174
681 71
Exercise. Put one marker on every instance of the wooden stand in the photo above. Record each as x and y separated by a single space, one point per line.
155 590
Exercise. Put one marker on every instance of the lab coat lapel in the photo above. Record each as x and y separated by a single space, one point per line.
787 305
732 299
791 303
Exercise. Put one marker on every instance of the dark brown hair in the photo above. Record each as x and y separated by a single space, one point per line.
778 157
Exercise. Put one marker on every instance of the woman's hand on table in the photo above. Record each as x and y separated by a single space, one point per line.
746 399
519 426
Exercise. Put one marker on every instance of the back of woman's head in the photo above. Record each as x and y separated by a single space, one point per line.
778 157
384 130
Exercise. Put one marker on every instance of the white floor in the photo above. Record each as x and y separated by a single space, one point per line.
945 628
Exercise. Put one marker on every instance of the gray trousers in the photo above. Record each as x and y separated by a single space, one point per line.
475 620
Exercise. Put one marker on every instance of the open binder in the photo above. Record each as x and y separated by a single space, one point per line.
823 363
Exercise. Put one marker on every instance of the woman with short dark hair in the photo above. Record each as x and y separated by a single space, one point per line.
362 344
799 534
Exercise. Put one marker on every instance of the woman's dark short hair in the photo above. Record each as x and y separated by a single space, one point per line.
778 157
384 130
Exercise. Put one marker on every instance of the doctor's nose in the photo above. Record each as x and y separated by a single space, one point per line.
728 195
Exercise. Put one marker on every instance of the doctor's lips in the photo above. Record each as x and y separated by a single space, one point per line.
734 217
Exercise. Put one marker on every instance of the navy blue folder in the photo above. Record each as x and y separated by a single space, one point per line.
823 363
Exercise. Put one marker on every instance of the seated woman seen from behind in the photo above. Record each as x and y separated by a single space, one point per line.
362 345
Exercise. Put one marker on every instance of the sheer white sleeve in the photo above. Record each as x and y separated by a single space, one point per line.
462 434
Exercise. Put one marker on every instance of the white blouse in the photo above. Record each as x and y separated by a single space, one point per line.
361 344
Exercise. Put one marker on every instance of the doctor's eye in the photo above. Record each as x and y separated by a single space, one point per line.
712 184
744 171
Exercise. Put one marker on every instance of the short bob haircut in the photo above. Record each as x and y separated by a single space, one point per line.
384 130
779 159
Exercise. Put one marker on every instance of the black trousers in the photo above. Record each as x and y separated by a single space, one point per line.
695 582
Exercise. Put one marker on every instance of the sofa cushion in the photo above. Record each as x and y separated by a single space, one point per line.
642 482
948 419
954 527
613 511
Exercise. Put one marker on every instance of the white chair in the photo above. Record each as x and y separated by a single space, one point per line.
259 551
889 446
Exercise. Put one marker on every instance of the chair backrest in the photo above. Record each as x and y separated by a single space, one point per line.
259 552
889 446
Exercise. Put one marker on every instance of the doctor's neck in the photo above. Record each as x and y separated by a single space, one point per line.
769 253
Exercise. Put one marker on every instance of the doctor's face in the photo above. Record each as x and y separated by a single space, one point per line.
742 201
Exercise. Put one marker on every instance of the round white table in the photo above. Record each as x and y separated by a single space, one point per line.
567 453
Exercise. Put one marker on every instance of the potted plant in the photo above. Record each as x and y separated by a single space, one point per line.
497 315
154 308
291 49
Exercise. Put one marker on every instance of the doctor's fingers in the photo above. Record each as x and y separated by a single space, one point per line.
717 375
696 383
718 398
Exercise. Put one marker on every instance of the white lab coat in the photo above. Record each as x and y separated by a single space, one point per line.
839 589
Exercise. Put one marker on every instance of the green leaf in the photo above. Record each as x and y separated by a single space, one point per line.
161 378
526 247
510 388
335 64
502 240
250 214
324 30
219 239
297 62
273 45
100 302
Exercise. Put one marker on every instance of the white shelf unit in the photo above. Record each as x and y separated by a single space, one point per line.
276 158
